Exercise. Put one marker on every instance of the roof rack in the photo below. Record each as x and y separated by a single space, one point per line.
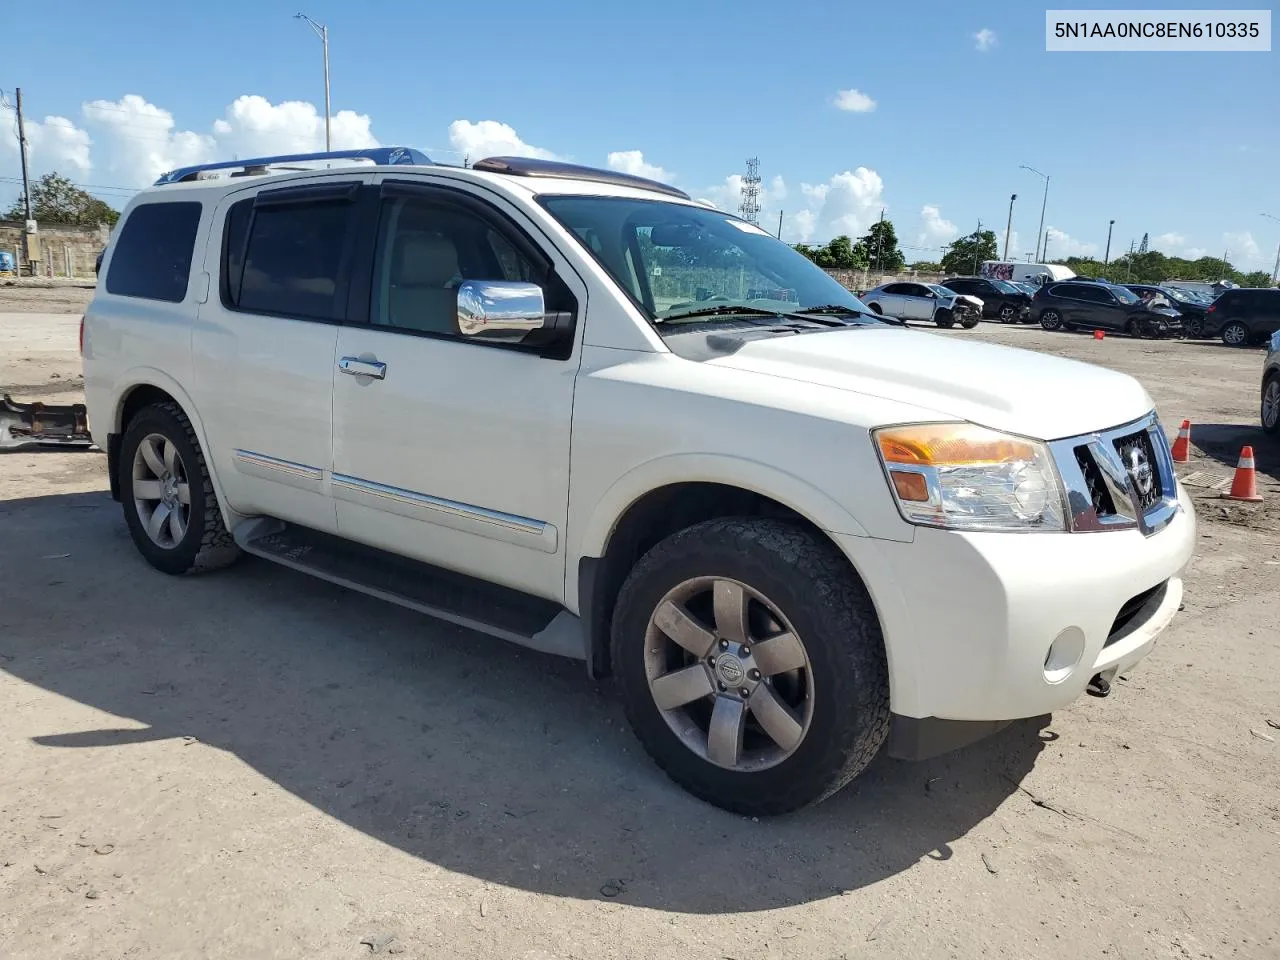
382 156
530 167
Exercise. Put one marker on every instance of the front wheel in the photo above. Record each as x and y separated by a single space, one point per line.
1271 404
970 320
1235 334
751 664
1051 320
944 318
169 504
1008 313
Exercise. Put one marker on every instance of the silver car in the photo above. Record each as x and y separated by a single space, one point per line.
924 301
1271 387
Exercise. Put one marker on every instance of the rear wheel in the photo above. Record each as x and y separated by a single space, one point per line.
1271 404
1194 327
751 664
1051 319
875 308
168 499
1235 334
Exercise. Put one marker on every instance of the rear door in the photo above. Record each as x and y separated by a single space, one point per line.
891 300
1264 310
278 264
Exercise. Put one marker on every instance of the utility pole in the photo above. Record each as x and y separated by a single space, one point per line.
1043 204
779 224
1008 227
1106 257
977 239
22 148
1275 273
1044 254
1128 273
322 31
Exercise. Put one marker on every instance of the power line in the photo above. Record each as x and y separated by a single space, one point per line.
82 186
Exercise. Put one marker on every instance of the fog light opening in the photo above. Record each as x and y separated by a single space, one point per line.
1064 655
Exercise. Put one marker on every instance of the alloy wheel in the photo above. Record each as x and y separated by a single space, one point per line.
729 674
1271 404
161 491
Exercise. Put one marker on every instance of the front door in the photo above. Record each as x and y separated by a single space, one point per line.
449 450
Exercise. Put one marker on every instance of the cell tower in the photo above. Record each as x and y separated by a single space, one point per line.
750 205
1146 240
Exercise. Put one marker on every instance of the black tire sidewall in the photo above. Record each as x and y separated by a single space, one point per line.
804 776
1011 311
1244 341
1051 325
944 318
158 420
1274 428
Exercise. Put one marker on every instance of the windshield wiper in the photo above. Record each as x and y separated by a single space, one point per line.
838 309
720 311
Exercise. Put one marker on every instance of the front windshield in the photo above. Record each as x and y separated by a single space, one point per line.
675 259
940 291
1180 295
1004 286
1124 294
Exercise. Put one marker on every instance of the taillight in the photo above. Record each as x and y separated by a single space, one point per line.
1212 307
82 336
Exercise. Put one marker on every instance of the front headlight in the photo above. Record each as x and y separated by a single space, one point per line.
965 477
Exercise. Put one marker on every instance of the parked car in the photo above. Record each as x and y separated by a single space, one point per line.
1001 300
1271 386
796 535
1188 304
1243 315
924 301
1102 306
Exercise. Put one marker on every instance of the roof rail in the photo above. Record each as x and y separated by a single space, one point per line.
531 167
382 156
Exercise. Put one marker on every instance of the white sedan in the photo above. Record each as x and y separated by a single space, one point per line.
924 301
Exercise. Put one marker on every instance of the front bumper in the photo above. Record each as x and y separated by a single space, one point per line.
970 619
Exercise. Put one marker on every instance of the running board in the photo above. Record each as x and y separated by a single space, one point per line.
458 599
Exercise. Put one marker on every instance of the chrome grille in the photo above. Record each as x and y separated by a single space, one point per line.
1118 479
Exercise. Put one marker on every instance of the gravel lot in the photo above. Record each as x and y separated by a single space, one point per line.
256 764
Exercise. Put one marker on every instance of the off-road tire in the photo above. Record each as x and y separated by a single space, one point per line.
207 544
831 611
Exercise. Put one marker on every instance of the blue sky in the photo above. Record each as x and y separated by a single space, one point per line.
1181 145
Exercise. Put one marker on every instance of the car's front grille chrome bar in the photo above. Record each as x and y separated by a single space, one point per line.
1118 479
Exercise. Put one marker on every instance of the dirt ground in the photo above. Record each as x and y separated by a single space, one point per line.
257 764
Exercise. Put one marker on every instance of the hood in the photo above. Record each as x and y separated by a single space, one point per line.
970 299
1004 388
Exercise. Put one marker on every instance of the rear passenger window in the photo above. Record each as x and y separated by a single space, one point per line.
152 257
293 260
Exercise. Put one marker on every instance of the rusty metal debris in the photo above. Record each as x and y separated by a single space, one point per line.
39 424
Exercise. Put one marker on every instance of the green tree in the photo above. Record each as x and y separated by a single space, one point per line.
55 199
965 255
881 248
925 266
838 254
1258 278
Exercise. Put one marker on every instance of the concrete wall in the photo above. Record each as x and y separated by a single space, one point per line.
858 280
62 245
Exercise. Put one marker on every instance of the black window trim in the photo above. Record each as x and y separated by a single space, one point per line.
309 193
361 291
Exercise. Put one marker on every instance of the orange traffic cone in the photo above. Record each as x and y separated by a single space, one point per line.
1244 485
1182 446
1098 334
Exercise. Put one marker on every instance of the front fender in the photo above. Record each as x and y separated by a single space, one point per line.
765 479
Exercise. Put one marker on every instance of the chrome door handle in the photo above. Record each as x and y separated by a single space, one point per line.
363 368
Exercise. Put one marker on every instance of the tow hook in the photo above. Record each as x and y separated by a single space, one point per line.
1099 686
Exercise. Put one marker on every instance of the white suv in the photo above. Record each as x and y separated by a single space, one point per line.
580 411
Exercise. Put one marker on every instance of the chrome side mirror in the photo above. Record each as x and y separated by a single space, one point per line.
500 310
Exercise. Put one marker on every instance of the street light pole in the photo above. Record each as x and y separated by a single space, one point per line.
1106 257
322 31
1275 273
1007 227
1043 204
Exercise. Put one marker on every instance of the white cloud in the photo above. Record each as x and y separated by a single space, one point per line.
634 163
854 101
1170 241
936 231
139 140
985 39
489 138
54 143
1062 245
1243 249
253 126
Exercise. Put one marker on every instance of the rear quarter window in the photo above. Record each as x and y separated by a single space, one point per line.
152 257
